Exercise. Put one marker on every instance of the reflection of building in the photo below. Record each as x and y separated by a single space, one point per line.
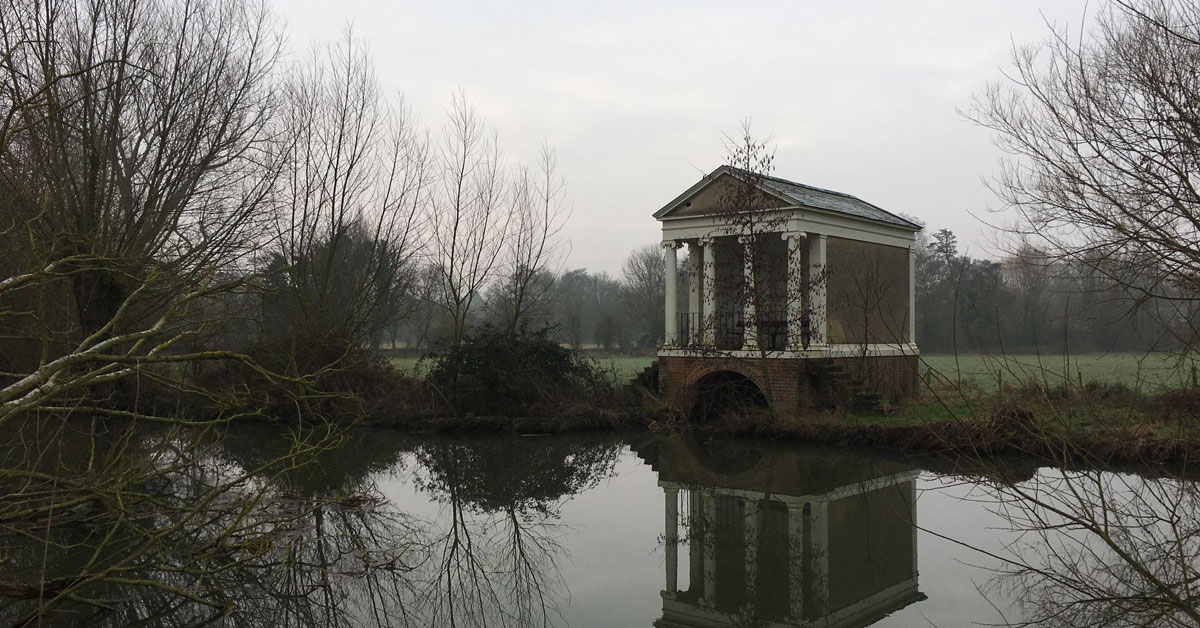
783 538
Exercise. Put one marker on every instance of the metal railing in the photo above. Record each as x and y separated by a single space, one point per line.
727 330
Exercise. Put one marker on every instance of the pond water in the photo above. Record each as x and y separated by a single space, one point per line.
644 530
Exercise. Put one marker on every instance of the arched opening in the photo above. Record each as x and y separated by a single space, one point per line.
721 394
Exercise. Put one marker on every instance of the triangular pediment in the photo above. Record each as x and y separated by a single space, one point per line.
719 191
724 188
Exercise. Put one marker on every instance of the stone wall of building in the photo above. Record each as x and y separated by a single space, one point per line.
867 292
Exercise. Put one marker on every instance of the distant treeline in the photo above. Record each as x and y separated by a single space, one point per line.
1024 302
1029 301
580 308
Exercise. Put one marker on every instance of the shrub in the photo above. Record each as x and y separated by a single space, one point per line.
509 373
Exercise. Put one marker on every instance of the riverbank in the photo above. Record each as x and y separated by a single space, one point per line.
527 385
1098 424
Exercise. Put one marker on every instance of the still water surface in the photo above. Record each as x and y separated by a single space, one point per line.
670 531
641 530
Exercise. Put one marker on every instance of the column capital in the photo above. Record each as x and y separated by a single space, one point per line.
670 244
708 240
746 239
793 235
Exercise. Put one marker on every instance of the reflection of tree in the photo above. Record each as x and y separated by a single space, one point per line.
496 560
518 473
126 526
1101 549
155 527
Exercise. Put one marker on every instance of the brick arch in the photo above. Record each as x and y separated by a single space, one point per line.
679 374
704 370
713 393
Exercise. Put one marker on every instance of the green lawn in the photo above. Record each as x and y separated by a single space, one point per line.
414 367
622 368
1148 373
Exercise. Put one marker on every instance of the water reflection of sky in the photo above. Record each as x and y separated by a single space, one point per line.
510 531
614 564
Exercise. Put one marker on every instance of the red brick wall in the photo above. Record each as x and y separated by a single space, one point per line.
893 376
788 378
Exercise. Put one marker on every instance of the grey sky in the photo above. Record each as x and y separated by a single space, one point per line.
860 96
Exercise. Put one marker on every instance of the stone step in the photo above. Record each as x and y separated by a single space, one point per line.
846 388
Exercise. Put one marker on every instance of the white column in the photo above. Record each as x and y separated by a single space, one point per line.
695 270
795 290
817 280
912 294
912 487
795 561
671 337
709 321
749 308
672 539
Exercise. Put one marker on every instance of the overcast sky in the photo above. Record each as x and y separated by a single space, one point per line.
862 97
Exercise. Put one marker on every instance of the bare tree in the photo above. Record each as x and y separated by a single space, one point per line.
157 161
759 308
469 215
137 163
351 207
1104 136
532 251
643 288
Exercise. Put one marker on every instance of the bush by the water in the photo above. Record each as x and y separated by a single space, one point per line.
511 373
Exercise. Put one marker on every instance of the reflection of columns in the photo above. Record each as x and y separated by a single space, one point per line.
751 539
795 561
695 269
709 320
672 538
818 543
912 509
912 294
818 278
710 549
671 336
795 291
749 310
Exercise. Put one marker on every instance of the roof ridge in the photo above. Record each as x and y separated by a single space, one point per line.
827 191
803 185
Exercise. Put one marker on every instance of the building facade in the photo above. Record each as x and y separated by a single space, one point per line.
797 289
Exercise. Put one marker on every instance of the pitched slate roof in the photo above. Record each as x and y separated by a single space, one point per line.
807 196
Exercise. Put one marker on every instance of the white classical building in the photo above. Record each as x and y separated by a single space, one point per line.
838 271
784 270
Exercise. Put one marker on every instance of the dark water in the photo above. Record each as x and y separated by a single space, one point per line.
640 531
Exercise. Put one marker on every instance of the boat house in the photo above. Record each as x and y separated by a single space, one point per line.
797 294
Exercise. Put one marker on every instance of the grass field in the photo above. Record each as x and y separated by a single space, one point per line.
621 368
1147 373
